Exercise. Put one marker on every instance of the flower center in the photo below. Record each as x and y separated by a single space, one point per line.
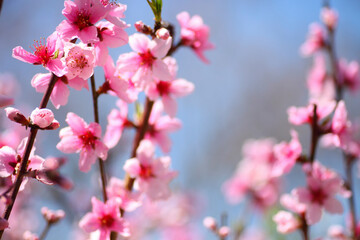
41 51
83 20
88 139
107 221
77 60
318 196
147 58
163 87
146 172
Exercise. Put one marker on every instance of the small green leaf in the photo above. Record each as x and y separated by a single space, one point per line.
56 55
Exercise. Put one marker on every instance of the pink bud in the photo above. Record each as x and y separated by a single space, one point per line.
30 236
163 33
329 17
52 216
224 231
142 28
210 223
5 101
42 117
15 115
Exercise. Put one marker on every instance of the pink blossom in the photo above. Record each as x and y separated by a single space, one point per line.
315 40
169 89
129 201
81 16
117 120
195 33
322 186
337 232
47 55
106 218
152 174
42 117
80 61
84 138
286 222
146 61
286 155
350 74
302 115
160 126
329 17
6 101
110 35
224 231
30 236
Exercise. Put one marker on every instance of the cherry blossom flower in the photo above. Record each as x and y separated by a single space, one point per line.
210 223
286 155
160 126
80 61
195 33
322 186
169 89
129 201
16 116
106 218
315 40
52 216
286 222
81 16
146 61
253 176
152 174
117 121
84 138
317 75
47 55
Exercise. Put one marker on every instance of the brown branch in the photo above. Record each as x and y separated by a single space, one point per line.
96 118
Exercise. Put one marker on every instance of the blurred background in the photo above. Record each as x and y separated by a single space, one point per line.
255 74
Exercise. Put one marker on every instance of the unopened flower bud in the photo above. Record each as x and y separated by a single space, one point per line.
15 115
30 236
210 223
224 231
52 216
162 33
142 28
329 17
42 117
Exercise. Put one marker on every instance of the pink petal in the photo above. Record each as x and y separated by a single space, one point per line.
132 167
23 55
88 35
161 70
139 43
41 81
89 223
60 94
181 87
112 135
57 67
313 214
167 124
170 105
77 124
67 30
332 205
101 150
159 48
7 155
78 83
87 159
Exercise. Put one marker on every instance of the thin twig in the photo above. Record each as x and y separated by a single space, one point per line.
45 231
